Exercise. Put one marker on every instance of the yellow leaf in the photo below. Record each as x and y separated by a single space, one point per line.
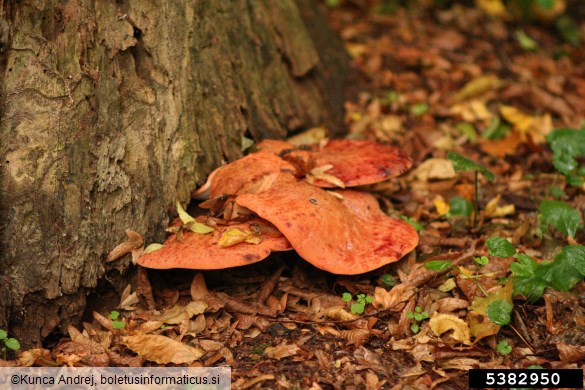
162 349
152 247
448 285
492 210
183 215
476 87
200 228
440 205
319 174
441 323
479 323
233 236
492 7
309 137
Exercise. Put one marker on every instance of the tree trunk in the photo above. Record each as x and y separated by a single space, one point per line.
113 110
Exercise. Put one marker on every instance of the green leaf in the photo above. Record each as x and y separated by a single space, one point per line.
557 192
499 312
468 130
547 4
482 261
369 299
3 334
388 280
500 247
575 256
438 265
563 217
410 315
13 344
503 347
496 129
569 29
567 145
413 222
525 41
346 297
458 205
463 164
118 324
114 315
415 328
419 109
357 308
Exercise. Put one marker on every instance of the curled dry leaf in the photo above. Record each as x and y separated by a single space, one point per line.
201 251
34 357
351 236
162 349
233 236
133 242
442 323
434 169
395 299
356 336
176 314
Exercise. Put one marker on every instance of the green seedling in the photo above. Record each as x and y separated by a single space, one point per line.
7 343
567 146
562 217
482 261
419 109
418 315
463 164
362 300
116 324
504 348
459 207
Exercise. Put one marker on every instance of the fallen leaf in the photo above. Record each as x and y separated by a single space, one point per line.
434 169
492 210
441 323
281 351
133 242
162 349
476 87
233 236
479 323
394 299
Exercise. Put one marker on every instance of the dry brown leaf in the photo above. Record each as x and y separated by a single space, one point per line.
143 288
441 323
477 87
198 287
281 351
175 315
268 286
434 169
447 305
570 353
162 349
133 242
394 299
356 336
501 147
34 357
129 299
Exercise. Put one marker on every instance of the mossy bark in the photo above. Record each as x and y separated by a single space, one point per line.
112 111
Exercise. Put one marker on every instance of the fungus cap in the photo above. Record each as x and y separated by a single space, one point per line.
201 251
348 236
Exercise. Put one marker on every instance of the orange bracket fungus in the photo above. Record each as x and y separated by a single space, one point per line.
342 232
343 236
227 246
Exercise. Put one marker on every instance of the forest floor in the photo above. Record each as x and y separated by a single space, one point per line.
431 80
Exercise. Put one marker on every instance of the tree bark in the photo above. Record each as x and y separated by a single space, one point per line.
110 111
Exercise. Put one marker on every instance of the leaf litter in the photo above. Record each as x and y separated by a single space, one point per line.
432 80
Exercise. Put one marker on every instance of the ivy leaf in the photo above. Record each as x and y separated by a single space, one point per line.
563 217
575 256
500 247
499 312
463 164
438 265
458 205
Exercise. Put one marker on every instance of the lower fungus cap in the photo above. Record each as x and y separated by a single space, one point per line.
203 251
343 236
